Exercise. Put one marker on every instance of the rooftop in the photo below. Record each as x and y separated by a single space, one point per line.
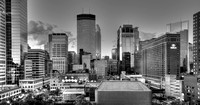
122 86
7 88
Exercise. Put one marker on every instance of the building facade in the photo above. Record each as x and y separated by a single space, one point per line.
129 39
159 57
33 84
86 33
2 44
28 69
101 68
71 60
196 41
98 42
58 46
126 62
40 63
114 53
16 39
182 28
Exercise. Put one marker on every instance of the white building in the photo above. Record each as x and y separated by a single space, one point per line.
71 94
2 44
28 69
129 39
7 91
173 87
33 84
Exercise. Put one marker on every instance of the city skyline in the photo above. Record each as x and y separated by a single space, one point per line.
147 15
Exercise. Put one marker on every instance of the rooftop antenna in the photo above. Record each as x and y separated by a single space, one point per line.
89 10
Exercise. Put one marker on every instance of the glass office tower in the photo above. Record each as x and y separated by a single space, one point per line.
2 43
16 38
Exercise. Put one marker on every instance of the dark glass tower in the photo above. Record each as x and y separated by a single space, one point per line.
196 41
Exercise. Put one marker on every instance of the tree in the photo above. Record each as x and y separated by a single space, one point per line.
80 100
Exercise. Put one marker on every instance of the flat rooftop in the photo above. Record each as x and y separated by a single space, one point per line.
122 86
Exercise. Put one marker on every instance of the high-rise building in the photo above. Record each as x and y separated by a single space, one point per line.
40 63
114 53
28 69
181 28
100 67
160 57
196 41
98 42
129 39
16 39
71 59
112 67
86 33
126 61
191 57
2 44
58 48
86 61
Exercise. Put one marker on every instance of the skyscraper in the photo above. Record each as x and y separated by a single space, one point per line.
16 38
98 42
196 41
160 57
2 43
86 33
71 59
129 40
181 28
58 49
126 61
114 53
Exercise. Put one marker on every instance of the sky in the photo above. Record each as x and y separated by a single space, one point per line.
151 16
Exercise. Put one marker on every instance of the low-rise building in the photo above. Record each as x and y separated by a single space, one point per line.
7 91
173 87
71 94
70 80
123 93
33 83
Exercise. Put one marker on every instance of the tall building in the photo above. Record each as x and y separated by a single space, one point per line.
191 57
2 44
86 61
16 39
40 63
129 40
86 33
71 59
100 67
58 47
126 61
196 41
98 42
160 57
114 53
28 69
181 28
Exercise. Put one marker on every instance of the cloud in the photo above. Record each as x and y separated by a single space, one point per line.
146 35
38 32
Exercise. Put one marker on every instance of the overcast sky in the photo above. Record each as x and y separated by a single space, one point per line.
151 16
